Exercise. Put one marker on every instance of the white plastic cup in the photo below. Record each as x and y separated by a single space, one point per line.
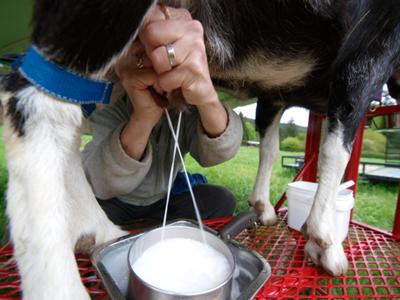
301 195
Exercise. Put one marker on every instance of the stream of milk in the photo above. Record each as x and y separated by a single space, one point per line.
182 265
175 135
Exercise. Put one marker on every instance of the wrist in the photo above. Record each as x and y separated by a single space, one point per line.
135 137
209 102
210 106
145 119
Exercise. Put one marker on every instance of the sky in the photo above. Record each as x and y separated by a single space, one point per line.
299 115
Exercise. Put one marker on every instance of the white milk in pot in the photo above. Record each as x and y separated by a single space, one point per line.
182 265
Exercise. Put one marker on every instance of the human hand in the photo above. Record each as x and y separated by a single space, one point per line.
189 70
137 78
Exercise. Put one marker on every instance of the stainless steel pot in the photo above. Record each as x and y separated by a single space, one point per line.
141 290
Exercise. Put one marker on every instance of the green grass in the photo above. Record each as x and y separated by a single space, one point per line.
239 173
375 203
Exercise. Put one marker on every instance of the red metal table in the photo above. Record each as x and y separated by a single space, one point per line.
374 271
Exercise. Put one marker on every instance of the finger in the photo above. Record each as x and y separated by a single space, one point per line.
166 29
161 60
191 76
131 63
162 12
157 87
154 14
140 79
175 13
136 48
174 79
190 42
141 61
162 33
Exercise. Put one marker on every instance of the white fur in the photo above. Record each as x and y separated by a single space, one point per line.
269 152
49 202
321 221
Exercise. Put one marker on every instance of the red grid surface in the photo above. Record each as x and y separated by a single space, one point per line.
374 271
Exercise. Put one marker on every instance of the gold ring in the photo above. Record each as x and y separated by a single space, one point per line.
139 63
171 55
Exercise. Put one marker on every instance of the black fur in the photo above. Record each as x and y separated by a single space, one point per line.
79 35
394 88
16 116
13 83
364 63
265 114
85 34
357 44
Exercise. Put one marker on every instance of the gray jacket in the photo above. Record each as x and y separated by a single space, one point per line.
112 173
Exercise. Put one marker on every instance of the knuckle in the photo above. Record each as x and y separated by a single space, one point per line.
185 14
197 27
195 66
198 44
199 56
156 57
165 85
150 32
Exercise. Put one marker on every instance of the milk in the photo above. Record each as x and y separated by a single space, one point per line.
182 266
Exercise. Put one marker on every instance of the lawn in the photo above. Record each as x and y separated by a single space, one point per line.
375 203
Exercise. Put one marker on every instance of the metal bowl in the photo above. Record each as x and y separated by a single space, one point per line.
140 289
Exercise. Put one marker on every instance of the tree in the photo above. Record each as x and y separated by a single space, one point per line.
291 129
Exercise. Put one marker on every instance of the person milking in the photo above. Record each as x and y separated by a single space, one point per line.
129 158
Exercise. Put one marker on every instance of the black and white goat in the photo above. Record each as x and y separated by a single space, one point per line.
326 55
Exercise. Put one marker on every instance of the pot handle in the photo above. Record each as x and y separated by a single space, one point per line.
242 221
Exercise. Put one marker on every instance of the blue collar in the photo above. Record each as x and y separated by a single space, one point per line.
64 84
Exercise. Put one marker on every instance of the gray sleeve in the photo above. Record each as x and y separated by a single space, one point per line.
212 151
109 170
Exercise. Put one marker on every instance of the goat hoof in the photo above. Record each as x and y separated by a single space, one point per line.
259 207
268 217
334 261
85 244
313 252
322 244
318 232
